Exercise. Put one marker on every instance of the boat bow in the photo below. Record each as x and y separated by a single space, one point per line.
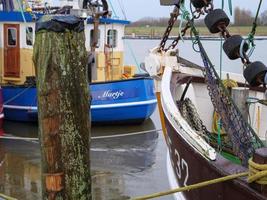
161 65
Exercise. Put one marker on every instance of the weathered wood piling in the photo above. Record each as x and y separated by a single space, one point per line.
60 60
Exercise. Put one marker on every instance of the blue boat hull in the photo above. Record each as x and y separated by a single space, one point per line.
124 101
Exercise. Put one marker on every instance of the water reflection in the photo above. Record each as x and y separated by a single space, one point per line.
113 160
20 169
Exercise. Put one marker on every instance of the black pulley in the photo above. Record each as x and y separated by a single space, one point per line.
216 18
231 46
254 73
200 3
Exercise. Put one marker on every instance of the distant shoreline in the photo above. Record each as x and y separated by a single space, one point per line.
153 32
207 38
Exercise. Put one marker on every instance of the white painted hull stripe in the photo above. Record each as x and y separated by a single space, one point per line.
115 105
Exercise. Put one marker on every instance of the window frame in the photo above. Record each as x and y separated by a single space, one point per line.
16 35
114 38
26 33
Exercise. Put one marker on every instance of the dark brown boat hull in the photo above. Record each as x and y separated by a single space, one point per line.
190 167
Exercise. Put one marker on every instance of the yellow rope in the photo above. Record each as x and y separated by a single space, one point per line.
192 187
6 197
228 83
257 173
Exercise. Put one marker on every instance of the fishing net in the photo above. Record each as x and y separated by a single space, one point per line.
242 136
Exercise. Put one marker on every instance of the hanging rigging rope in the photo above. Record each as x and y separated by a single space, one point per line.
250 38
253 100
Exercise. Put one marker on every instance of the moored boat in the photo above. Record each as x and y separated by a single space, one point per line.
117 96
1 112
215 126
125 101
195 159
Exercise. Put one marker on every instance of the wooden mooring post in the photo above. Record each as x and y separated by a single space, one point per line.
60 60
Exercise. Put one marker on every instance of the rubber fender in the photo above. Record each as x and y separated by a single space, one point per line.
254 73
200 3
231 46
214 18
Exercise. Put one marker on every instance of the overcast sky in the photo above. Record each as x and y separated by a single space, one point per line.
137 9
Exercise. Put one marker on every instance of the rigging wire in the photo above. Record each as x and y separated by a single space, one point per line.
113 10
133 56
122 9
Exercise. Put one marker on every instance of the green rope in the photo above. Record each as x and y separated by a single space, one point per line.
230 7
250 38
219 140
185 14
254 27
204 54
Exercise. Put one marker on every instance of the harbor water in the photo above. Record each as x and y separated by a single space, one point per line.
122 166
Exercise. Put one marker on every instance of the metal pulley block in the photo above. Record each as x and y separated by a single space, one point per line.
200 3
231 46
216 19
255 73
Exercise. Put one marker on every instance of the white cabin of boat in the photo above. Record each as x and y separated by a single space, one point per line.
17 39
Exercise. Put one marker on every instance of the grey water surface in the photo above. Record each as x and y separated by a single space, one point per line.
122 166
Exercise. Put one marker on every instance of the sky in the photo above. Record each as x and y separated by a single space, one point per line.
137 9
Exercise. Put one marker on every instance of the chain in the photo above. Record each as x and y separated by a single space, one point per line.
209 7
242 136
176 40
224 31
172 20
174 15
190 114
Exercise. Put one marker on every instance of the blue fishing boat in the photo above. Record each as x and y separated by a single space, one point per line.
126 101
118 96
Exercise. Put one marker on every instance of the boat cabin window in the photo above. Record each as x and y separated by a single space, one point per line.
112 38
12 36
92 38
29 36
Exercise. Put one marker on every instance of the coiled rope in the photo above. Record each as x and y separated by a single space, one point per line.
216 124
257 173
